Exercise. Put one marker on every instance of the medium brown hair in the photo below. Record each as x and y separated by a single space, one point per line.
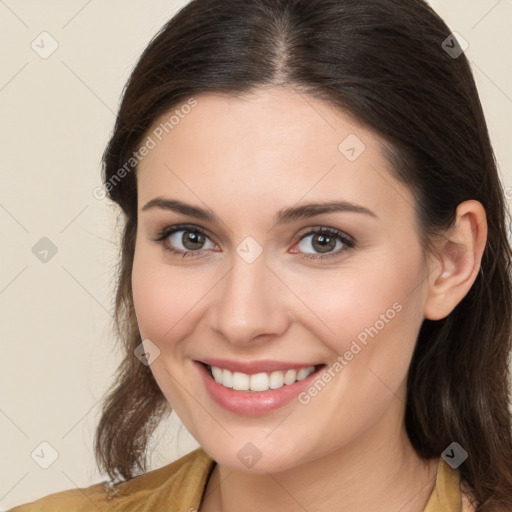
384 62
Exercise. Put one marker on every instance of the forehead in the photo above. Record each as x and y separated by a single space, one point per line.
272 146
266 123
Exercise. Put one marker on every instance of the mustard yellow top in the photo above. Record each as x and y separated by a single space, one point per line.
179 487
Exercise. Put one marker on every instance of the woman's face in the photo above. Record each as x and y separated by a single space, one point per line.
252 287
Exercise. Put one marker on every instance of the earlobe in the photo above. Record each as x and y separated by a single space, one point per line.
458 261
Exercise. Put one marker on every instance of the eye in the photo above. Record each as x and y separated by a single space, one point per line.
325 241
192 241
184 240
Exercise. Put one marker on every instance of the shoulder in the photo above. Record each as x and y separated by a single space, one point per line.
73 499
181 481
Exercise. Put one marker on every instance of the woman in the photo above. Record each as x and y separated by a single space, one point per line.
315 267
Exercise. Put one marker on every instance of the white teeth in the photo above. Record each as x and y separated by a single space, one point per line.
227 378
217 373
302 373
276 380
290 377
259 381
240 381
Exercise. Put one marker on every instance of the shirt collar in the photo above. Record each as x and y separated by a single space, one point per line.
446 495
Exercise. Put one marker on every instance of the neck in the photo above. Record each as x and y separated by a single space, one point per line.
377 471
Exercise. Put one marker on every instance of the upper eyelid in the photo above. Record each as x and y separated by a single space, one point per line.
171 229
321 229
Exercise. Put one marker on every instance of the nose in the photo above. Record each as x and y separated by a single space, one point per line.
249 303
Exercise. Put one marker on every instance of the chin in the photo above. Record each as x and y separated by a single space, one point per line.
255 458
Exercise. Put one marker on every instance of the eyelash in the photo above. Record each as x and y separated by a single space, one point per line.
169 230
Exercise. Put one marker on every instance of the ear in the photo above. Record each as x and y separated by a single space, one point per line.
457 261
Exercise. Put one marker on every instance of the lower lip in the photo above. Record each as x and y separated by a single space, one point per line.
253 403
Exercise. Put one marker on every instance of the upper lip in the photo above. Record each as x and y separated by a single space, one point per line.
251 367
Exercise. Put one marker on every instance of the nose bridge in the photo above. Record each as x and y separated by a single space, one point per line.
246 305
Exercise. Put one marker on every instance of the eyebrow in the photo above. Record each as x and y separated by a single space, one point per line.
284 216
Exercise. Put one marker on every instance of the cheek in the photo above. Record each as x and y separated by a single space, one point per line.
163 302
370 306
163 298
375 322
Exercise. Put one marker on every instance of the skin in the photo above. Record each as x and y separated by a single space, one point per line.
245 159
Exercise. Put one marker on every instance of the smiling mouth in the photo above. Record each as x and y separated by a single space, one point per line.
258 382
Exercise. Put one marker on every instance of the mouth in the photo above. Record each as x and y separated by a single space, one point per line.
261 381
258 392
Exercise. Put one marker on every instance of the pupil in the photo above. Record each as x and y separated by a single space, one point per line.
192 240
325 243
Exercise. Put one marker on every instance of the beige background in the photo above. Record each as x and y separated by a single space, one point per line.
57 114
